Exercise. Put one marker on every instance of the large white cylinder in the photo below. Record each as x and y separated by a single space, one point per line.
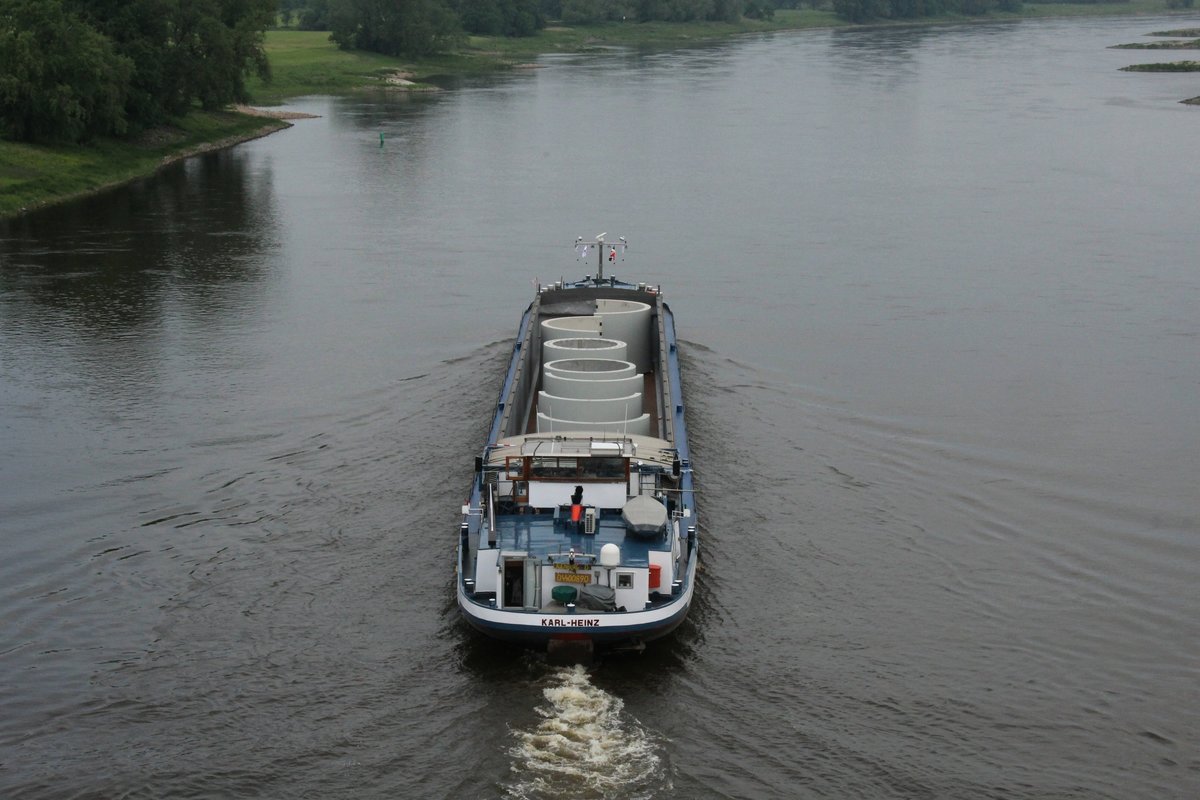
635 427
591 389
606 410
571 327
590 368
582 348
628 321
578 347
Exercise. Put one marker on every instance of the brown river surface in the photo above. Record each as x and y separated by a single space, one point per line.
939 290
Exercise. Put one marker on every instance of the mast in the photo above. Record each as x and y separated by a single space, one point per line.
601 251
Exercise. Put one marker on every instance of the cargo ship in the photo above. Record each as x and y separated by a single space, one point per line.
580 532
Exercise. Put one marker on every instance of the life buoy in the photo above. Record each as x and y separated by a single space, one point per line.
576 512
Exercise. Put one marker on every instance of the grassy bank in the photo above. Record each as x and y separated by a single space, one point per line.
306 62
1181 44
36 175
1045 10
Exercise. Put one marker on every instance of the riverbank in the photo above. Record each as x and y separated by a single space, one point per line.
33 176
306 62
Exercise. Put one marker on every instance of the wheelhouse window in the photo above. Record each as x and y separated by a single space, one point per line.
568 468
556 467
604 467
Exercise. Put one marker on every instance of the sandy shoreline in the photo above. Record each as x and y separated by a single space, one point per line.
271 113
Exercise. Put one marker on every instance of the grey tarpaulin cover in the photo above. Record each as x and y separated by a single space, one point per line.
644 515
598 598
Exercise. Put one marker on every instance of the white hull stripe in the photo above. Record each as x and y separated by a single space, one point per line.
532 622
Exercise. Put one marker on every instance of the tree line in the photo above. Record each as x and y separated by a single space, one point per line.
868 10
421 27
71 70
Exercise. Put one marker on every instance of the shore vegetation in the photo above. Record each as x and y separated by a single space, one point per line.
72 70
1181 44
34 175
1169 66
289 62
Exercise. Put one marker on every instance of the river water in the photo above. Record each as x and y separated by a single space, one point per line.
941 308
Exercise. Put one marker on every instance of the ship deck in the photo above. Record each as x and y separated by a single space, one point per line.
539 535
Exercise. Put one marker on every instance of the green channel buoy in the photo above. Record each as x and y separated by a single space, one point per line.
381 138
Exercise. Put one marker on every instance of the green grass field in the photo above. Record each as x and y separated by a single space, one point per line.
306 62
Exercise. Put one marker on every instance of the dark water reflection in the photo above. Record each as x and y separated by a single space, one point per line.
108 263
938 293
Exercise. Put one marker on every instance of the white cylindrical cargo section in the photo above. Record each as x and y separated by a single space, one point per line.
591 389
576 347
637 427
590 368
628 321
571 327
607 410
590 371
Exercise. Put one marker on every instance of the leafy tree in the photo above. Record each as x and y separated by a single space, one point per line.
316 16
759 10
59 78
860 10
183 51
673 10
500 17
393 27
585 12
907 9
865 10
726 10
484 17
689 10
290 10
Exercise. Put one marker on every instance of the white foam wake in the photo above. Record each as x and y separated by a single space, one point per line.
583 747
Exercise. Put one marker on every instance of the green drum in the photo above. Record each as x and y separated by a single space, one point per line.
564 594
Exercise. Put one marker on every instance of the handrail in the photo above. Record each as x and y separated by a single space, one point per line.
491 512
